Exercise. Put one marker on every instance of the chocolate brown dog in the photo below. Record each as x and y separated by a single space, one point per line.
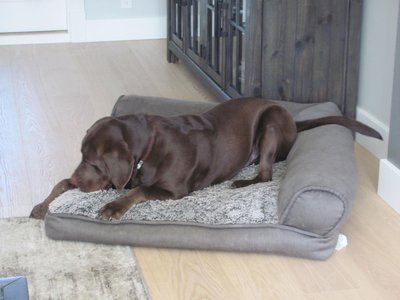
167 158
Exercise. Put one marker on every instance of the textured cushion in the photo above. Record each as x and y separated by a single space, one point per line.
215 205
298 214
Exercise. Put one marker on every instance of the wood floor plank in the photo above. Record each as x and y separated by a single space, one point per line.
12 168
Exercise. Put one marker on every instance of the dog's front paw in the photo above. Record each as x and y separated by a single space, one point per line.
241 183
39 211
113 210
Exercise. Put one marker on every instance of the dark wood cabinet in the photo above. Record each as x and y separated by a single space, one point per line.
294 50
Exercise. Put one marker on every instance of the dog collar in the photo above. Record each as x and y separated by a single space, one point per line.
148 149
139 165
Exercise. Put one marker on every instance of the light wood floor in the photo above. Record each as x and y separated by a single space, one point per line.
50 95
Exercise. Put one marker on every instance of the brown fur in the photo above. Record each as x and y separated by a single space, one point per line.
185 153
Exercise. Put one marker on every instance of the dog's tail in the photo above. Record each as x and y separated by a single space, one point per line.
339 120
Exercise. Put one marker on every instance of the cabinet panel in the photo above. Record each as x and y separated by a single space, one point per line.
253 44
176 21
236 49
214 46
195 32
305 46
279 34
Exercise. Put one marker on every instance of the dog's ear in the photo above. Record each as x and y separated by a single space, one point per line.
119 165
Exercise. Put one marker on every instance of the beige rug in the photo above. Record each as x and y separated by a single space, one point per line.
67 270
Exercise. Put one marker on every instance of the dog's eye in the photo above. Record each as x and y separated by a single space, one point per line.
94 166
97 169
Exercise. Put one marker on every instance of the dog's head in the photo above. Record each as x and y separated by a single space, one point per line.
106 159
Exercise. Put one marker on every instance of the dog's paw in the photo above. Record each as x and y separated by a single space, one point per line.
244 183
112 211
241 183
39 211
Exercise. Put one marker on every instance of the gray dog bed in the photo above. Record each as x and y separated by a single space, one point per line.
299 213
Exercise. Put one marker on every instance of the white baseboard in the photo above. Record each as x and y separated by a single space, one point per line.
376 147
35 38
81 30
126 29
388 186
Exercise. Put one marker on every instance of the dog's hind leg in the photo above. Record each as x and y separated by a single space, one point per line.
277 133
268 150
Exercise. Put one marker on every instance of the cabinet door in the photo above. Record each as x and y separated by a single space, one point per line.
236 47
206 36
176 21
243 53
195 32
215 16
310 51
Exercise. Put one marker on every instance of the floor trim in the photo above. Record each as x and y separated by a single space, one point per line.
377 147
388 185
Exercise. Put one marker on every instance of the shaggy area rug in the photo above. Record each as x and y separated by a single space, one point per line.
218 204
67 270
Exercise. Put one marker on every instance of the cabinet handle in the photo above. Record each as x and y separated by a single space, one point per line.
222 4
203 52
222 11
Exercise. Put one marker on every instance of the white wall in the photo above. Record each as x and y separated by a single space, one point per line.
32 16
378 43
111 9
389 169
103 20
